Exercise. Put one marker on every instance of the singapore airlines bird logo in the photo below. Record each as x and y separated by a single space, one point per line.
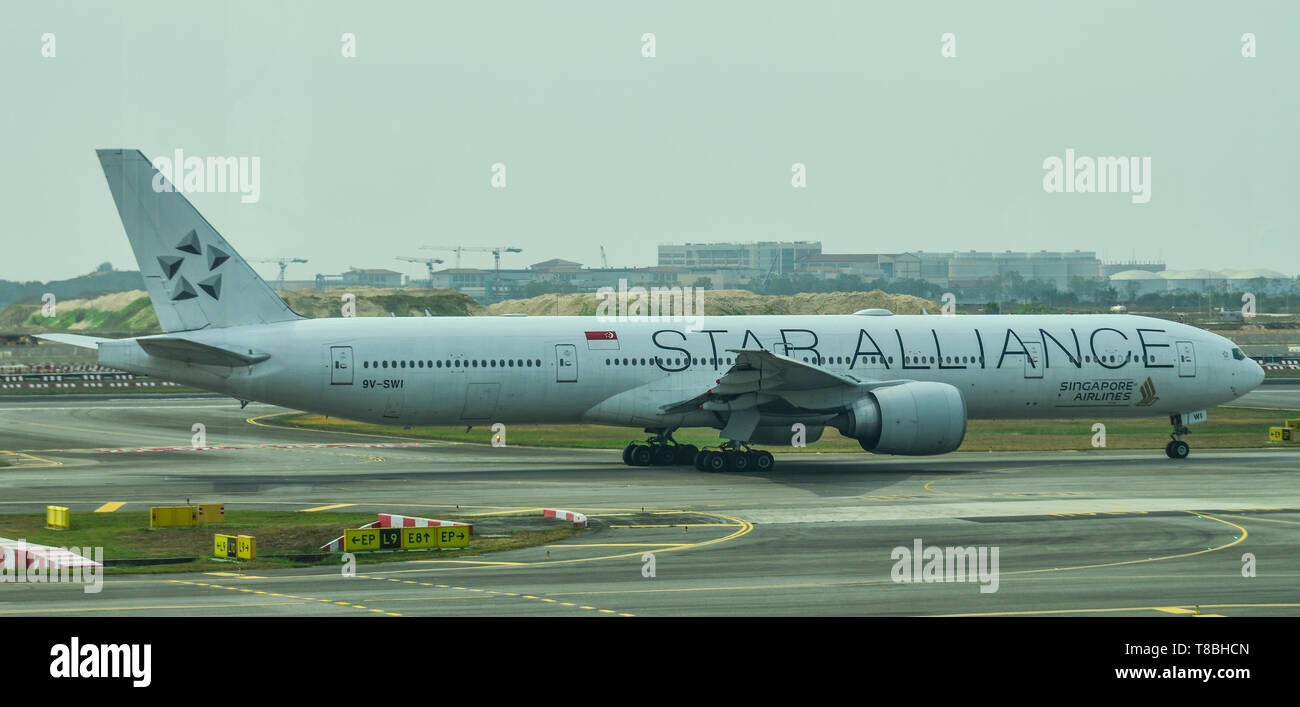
1148 391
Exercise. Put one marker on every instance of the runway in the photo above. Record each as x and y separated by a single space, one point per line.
1105 532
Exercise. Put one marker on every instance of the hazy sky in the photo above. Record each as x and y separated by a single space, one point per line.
365 159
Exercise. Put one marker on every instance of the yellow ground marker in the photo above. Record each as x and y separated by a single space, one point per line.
571 545
1182 610
326 508
110 507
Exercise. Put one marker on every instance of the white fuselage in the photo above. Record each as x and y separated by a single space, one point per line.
514 369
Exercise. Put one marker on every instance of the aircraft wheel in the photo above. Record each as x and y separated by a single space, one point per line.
1179 450
627 453
684 454
701 460
715 461
762 461
738 461
662 455
641 455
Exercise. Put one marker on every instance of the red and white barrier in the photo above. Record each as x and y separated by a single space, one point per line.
392 520
29 555
574 517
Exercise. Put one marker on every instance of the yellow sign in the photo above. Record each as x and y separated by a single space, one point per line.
223 546
57 517
452 535
372 539
405 538
1279 434
1293 424
212 513
173 516
246 547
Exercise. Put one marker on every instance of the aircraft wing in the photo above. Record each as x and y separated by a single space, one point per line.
770 375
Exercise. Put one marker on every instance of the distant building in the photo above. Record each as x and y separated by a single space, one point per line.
556 265
1136 283
460 278
372 277
831 265
761 258
959 269
1109 269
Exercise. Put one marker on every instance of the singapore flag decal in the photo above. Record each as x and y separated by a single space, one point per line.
602 341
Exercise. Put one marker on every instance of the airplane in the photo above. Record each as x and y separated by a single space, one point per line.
898 384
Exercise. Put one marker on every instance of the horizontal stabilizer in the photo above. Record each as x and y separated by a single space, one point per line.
85 342
180 349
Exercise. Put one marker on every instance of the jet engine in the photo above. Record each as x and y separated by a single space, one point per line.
914 419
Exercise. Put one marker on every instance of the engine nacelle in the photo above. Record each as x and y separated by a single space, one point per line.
914 419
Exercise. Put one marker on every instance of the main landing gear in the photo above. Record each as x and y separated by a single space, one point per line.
663 450
659 450
1177 448
730 457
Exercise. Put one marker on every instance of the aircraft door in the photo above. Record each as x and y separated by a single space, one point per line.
566 363
1034 361
1186 359
340 365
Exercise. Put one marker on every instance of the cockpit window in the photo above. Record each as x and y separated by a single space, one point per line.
1237 354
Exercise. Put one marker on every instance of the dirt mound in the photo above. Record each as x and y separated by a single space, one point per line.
725 302
380 302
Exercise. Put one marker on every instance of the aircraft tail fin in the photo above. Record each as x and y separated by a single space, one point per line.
194 278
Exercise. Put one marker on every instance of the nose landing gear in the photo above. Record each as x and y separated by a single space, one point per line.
1177 448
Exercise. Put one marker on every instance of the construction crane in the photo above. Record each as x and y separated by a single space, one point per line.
282 262
496 252
428 263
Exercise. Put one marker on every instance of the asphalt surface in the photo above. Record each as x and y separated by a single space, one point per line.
1105 532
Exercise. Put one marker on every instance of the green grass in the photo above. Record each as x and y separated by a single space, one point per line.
127 534
1226 428
1284 373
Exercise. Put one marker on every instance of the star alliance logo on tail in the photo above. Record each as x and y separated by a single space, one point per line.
1148 391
